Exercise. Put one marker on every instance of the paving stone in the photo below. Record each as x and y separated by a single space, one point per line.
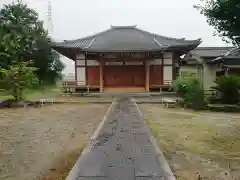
91 178
93 163
150 178
123 150
120 173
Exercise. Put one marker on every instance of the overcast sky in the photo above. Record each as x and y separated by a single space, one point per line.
78 18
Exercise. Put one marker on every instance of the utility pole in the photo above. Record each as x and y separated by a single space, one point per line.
49 21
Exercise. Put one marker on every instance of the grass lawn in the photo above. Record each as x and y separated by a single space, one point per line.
44 143
204 144
42 92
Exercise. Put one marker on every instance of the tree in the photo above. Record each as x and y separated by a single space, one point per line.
224 16
18 77
23 38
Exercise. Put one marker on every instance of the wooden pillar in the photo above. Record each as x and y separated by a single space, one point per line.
147 75
75 63
226 71
101 76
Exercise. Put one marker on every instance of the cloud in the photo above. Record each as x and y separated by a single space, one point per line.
78 18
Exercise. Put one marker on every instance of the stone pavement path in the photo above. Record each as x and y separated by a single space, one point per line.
123 150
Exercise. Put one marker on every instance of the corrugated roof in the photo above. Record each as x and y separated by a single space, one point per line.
126 38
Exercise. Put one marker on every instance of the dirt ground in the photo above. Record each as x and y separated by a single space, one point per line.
198 145
34 141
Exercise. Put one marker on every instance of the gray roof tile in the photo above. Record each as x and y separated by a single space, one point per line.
126 38
214 54
209 52
190 61
230 57
232 53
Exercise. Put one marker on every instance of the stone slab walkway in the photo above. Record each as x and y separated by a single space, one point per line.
123 150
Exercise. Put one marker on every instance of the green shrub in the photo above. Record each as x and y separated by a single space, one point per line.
191 90
181 86
17 78
228 89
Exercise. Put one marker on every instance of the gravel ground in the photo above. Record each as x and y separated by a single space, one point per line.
32 139
204 144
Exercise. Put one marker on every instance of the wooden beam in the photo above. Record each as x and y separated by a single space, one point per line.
101 75
75 64
147 75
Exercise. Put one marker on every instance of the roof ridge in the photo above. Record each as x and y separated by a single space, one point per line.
128 27
231 52
122 27
158 43
90 43
153 34
89 36
166 37
228 53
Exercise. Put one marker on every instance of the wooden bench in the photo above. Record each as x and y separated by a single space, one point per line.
167 102
44 101
71 86
224 107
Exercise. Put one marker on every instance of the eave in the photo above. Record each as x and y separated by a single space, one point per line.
70 52
125 39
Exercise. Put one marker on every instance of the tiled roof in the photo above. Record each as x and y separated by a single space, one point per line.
209 52
206 54
235 66
190 61
126 38
230 57
233 53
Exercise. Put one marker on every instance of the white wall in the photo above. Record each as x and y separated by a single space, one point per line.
209 76
69 77
189 69
69 65
81 75
167 73
167 70
81 71
168 58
